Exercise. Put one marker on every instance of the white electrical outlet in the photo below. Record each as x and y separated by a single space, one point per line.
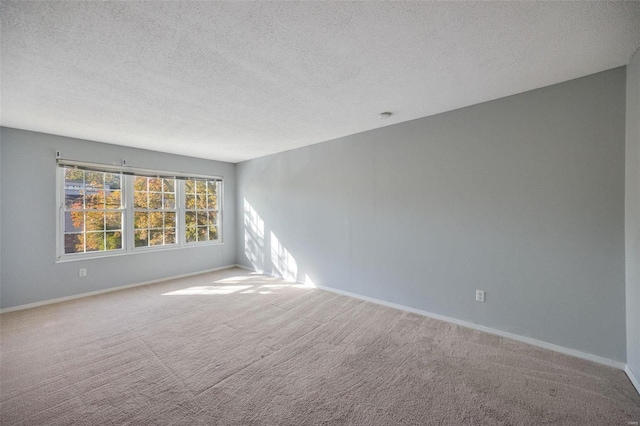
479 296
82 272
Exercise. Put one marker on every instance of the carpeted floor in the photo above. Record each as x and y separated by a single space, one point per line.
232 348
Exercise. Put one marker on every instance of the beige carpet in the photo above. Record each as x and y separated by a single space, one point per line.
230 348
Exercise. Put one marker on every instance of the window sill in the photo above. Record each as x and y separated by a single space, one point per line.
139 250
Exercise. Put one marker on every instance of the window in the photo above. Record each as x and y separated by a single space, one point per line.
105 210
154 211
92 211
201 213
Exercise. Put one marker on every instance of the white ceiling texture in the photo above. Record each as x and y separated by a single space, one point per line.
233 81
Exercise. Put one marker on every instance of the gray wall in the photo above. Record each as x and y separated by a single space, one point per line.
28 184
1 236
632 214
522 197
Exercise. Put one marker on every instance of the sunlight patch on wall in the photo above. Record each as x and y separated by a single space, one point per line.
253 237
283 263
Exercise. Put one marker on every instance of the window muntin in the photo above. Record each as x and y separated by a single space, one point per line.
93 211
201 217
154 211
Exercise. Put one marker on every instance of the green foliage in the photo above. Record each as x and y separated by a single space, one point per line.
93 194
153 225
201 197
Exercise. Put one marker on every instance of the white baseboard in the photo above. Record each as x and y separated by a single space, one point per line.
246 268
534 342
108 290
634 379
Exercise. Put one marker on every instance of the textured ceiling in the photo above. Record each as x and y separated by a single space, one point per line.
233 81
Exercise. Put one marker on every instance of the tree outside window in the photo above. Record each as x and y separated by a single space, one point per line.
93 211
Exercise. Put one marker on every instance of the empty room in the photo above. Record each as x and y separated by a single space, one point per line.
319 213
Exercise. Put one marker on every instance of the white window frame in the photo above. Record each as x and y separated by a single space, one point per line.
128 243
132 211
60 181
185 210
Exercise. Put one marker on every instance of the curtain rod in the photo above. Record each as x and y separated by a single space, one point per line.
127 170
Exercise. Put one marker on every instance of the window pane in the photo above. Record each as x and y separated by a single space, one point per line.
94 198
73 243
139 183
169 185
140 200
113 221
113 199
73 188
190 232
112 181
155 184
72 201
94 180
203 233
95 241
169 201
190 201
141 220
113 190
155 237
212 187
141 238
155 200
170 236
212 201
202 218
72 174
94 221
170 219
73 221
190 218
155 220
113 240
94 190
201 202
201 187
189 186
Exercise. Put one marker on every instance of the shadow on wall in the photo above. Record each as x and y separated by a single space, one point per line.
265 252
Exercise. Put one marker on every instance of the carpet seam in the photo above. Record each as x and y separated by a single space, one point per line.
155 355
